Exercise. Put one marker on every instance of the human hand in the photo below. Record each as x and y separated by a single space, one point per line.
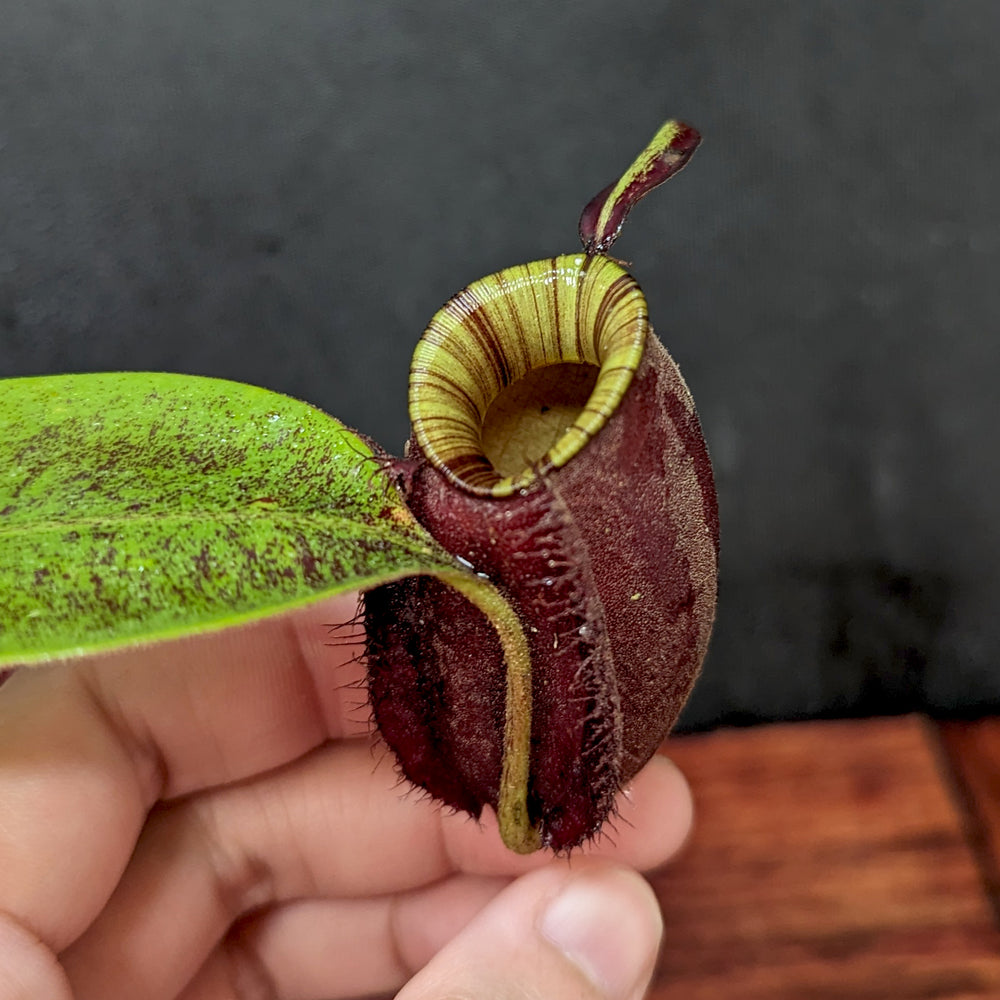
206 819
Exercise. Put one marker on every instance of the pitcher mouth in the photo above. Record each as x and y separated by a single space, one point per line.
516 373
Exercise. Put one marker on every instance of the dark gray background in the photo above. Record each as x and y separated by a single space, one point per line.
283 193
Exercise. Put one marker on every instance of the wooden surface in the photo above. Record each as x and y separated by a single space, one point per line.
836 860
972 752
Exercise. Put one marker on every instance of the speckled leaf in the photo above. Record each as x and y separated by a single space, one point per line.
139 506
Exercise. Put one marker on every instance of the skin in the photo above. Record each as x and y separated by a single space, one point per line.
210 818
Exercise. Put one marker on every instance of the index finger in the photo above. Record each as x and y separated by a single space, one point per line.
88 747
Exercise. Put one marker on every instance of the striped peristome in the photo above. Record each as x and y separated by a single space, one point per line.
577 308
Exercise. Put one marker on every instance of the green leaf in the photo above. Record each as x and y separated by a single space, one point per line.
141 506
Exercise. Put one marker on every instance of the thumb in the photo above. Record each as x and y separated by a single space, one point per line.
588 931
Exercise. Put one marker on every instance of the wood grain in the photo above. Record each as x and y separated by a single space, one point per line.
972 750
829 861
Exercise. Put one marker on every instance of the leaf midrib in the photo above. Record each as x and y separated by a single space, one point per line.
203 515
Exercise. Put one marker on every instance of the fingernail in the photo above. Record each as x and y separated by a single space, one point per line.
608 924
